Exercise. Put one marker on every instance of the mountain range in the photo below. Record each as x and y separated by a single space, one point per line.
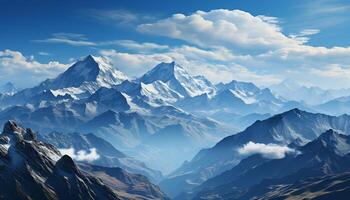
311 95
8 89
292 127
108 155
196 139
92 96
326 155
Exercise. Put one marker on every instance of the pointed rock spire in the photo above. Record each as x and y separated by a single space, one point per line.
11 127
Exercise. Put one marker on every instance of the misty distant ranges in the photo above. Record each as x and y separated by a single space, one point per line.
195 139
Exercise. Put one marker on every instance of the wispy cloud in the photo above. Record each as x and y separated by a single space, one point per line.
321 14
43 53
302 36
73 39
118 17
326 7
81 155
143 46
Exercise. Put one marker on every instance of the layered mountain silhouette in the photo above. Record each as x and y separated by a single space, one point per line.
31 169
326 155
108 155
292 127
8 89
171 120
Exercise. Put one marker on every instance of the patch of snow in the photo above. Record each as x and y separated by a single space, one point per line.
133 106
247 98
51 154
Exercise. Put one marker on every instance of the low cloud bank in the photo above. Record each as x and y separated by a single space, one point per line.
81 155
271 151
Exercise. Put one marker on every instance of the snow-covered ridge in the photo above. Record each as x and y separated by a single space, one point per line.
13 134
178 79
86 75
108 75
8 89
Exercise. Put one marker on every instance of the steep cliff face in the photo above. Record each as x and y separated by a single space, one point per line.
30 169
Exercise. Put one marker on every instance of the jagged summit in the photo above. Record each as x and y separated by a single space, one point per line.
333 141
248 92
237 85
14 131
90 69
163 72
330 134
80 80
8 88
31 169
89 57
178 79
11 127
295 111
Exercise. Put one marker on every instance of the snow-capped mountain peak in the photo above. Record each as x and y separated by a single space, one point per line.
247 92
86 75
178 79
89 69
108 75
8 89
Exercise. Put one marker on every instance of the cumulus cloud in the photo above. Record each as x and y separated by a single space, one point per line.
271 151
81 155
25 70
258 39
229 28
223 45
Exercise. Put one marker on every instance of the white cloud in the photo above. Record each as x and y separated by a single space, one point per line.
271 151
134 64
43 53
256 44
81 155
306 32
118 17
269 19
331 71
302 35
229 28
133 45
218 65
73 39
225 45
25 71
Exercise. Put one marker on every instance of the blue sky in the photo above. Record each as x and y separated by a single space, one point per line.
263 42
